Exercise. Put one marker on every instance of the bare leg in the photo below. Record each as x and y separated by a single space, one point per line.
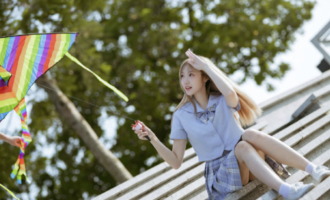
275 148
262 156
249 159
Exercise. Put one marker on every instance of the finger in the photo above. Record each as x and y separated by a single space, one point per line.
17 143
143 124
190 62
191 54
144 134
142 137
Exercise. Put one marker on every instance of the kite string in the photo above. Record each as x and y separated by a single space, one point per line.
81 100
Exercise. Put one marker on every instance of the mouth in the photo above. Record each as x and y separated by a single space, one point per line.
188 88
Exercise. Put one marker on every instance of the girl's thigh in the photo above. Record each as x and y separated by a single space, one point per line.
246 174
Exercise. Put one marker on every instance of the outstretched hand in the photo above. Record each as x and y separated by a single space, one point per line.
195 61
144 132
15 141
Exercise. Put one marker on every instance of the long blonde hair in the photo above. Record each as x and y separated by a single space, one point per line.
249 111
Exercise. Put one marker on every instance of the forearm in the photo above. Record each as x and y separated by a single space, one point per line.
3 137
219 80
165 153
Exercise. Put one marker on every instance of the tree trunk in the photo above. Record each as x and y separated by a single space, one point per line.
70 114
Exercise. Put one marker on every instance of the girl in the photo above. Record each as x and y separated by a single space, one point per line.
13 140
207 115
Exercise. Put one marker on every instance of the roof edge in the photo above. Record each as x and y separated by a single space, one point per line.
270 102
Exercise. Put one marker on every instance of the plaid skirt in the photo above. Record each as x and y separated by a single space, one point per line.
222 176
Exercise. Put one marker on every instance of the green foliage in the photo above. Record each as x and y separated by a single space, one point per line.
137 46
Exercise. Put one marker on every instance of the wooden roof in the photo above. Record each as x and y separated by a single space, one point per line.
299 117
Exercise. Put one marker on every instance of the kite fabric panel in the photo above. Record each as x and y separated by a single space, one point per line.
26 58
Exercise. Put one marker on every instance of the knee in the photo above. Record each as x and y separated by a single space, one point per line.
243 147
251 135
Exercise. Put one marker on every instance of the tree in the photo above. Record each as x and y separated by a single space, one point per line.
138 46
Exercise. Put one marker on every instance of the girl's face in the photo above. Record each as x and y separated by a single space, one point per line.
192 80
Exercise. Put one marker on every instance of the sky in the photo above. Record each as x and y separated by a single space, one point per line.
303 58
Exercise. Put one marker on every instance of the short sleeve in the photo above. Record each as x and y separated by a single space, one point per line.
177 131
238 107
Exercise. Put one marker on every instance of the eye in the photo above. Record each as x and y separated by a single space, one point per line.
190 74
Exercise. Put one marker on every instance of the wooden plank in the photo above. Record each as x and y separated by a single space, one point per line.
259 125
188 189
318 191
141 178
322 92
301 123
201 196
315 143
161 179
176 182
246 189
308 131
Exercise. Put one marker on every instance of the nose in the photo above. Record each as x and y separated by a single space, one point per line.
184 80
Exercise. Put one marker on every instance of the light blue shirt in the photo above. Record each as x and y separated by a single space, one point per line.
211 139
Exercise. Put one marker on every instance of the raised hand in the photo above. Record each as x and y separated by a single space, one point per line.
195 61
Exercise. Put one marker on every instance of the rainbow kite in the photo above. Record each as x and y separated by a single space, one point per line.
23 59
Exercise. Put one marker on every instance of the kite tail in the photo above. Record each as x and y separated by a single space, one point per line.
99 78
10 192
19 167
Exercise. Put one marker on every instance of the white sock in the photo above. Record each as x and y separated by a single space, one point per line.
309 168
284 190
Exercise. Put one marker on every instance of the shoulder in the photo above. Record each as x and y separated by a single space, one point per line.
187 107
178 113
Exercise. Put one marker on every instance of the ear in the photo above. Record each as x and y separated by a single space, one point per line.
205 79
